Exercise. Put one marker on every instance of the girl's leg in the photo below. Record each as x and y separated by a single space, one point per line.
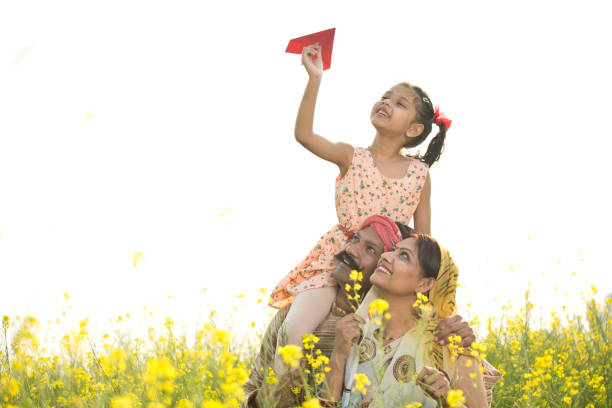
306 313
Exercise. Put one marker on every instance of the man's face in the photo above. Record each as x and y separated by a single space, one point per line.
361 253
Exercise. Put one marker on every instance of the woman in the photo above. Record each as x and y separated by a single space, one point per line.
396 353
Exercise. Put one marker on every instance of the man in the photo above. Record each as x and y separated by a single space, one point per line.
361 253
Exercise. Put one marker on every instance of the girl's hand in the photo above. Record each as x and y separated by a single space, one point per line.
434 382
311 59
348 332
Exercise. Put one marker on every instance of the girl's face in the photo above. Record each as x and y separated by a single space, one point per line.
396 112
399 271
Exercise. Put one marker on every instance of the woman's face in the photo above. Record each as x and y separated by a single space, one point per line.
399 272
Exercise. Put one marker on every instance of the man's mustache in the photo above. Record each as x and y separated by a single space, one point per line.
345 257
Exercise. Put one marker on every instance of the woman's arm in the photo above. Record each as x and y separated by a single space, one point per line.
340 154
422 215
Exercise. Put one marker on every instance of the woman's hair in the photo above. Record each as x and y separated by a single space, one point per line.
430 256
425 116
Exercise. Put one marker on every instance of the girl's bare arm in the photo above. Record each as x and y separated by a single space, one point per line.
340 154
422 215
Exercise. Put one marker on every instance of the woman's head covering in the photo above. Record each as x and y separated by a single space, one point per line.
442 298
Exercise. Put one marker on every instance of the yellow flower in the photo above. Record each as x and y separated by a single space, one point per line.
5 322
356 276
414 405
212 404
125 401
309 341
567 400
311 403
455 398
360 381
421 301
291 354
378 307
121 402
271 378
220 336
13 388
137 257
296 390
184 403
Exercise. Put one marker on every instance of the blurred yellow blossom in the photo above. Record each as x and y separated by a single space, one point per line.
378 307
137 257
291 354
361 380
455 398
311 403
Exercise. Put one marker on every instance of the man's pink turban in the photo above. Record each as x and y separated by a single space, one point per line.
386 229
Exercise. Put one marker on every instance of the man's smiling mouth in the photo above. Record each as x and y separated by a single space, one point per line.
348 261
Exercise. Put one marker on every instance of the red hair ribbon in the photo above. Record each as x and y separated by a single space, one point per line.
386 229
439 118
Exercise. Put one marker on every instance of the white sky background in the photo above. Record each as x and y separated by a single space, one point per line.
131 126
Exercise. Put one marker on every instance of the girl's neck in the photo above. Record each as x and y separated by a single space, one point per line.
386 147
403 317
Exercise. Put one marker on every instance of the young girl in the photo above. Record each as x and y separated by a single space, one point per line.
376 180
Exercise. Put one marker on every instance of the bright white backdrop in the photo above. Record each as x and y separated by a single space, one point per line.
166 128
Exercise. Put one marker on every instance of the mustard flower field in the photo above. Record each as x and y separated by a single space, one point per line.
563 362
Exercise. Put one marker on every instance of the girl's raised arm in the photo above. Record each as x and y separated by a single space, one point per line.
340 154
422 214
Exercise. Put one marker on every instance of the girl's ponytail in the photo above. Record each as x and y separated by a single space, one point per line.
427 116
434 150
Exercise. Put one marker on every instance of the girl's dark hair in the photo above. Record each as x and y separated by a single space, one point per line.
425 116
405 230
430 256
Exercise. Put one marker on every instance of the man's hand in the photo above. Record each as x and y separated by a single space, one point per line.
454 326
348 333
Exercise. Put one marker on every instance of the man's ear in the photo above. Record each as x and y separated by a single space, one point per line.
425 285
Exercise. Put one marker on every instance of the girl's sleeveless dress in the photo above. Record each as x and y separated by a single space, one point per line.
363 191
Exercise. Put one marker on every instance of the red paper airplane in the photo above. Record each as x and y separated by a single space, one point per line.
325 39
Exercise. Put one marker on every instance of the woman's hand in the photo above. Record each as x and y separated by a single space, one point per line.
348 332
434 382
311 59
